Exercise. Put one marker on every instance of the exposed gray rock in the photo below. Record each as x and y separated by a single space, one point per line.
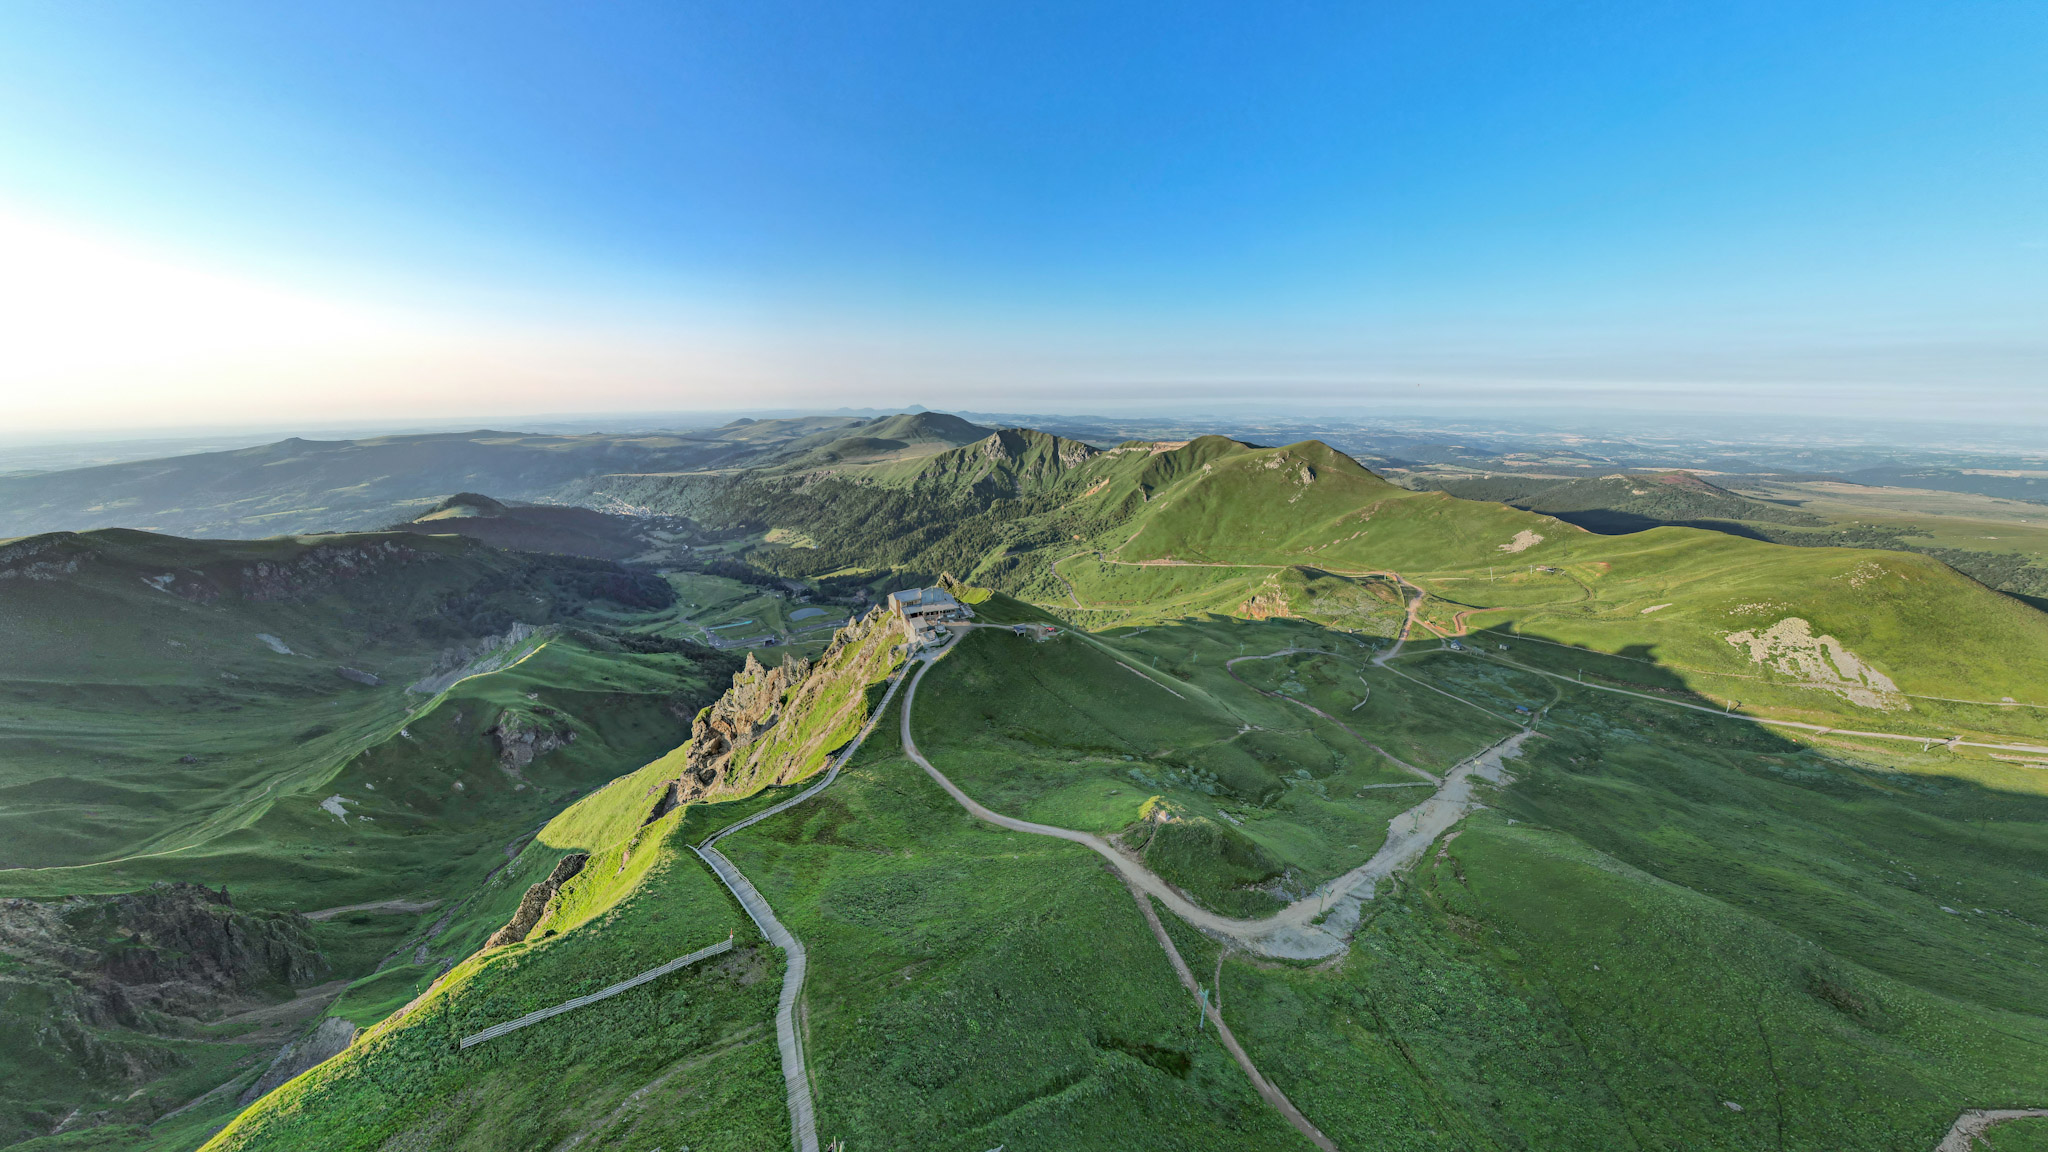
535 903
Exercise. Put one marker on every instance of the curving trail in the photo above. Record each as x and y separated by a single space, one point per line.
1264 1087
1969 1130
1316 926
1230 666
795 1077
803 1128
1313 927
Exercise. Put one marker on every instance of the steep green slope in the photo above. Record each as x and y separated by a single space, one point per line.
640 893
309 724
1806 634
686 1061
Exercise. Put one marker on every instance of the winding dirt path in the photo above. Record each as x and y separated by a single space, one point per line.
1314 927
1972 1125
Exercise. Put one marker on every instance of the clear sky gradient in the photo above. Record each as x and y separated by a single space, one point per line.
213 212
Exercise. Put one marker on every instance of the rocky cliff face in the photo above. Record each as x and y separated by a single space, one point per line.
534 904
749 708
143 959
775 724
89 984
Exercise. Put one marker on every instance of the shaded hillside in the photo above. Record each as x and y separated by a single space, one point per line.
1626 503
304 485
948 512
150 678
558 528
886 438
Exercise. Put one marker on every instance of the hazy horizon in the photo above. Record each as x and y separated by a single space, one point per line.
350 214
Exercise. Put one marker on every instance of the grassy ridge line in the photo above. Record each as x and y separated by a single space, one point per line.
608 823
838 762
795 1070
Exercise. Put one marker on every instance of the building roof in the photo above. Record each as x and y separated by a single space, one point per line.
922 598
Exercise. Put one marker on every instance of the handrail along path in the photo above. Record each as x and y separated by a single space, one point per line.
803 1127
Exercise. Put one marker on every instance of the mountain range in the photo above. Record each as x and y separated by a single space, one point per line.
1249 800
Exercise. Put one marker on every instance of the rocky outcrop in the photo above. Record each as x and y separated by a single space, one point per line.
518 740
43 557
749 708
534 904
768 727
89 984
321 567
329 1038
173 950
1265 604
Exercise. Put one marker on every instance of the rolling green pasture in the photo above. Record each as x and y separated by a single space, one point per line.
1069 733
717 609
1939 636
971 988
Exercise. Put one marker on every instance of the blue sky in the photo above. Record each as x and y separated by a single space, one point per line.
352 209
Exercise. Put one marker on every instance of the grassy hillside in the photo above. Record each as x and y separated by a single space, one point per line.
686 1061
1668 927
244 715
558 528
640 893
1628 503
1216 525
1672 596
1667 915
299 485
